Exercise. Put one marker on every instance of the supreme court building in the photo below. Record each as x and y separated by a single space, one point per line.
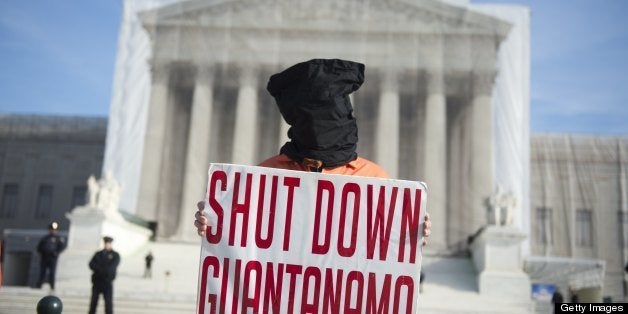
445 99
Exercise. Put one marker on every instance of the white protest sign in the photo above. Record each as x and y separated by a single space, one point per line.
281 241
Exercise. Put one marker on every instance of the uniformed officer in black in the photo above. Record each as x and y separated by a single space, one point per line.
49 248
104 265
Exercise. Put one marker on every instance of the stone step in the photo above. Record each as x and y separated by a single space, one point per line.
18 301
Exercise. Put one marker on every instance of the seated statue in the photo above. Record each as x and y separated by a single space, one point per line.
502 202
103 194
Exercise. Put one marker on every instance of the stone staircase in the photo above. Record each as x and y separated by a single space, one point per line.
450 286
25 301
172 288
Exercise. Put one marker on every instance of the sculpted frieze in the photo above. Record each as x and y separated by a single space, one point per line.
367 15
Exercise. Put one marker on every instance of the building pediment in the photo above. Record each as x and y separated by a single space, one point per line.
364 16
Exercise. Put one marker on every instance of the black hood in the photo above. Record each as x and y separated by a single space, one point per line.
313 98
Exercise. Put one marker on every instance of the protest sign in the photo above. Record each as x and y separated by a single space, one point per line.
282 241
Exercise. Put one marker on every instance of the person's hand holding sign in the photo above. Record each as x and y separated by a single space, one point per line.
201 221
427 228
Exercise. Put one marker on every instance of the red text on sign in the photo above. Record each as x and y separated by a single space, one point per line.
241 207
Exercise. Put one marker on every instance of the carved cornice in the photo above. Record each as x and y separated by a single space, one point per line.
419 16
56 128
482 82
435 81
160 71
389 79
205 74
247 74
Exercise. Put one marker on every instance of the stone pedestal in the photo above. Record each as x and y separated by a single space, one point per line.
88 225
497 258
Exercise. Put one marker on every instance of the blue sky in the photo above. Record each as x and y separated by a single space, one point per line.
57 57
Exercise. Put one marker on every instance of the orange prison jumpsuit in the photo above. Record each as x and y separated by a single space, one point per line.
359 167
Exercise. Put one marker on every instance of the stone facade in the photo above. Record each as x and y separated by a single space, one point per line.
424 113
579 212
430 110
44 164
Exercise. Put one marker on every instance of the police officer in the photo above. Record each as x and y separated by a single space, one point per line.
148 272
104 264
49 248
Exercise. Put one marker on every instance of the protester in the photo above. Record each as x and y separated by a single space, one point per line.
1 258
313 98
557 297
421 279
573 295
148 272
104 264
49 248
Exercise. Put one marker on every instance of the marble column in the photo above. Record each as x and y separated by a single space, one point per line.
435 156
481 145
435 139
387 129
283 133
244 139
153 144
197 157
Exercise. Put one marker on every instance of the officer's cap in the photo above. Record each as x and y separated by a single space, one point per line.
107 239
53 225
